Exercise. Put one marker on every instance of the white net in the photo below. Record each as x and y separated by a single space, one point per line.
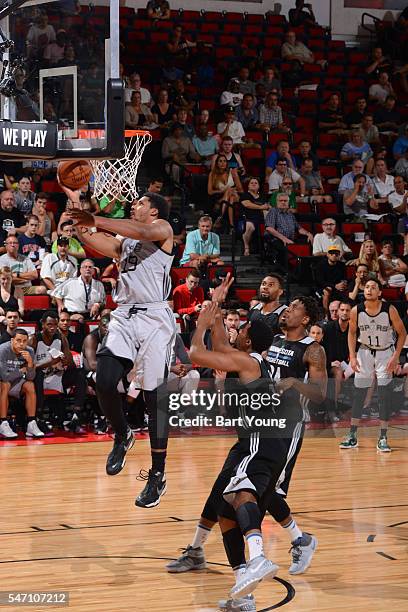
116 178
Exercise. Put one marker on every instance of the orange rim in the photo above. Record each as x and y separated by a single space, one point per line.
101 133
130 133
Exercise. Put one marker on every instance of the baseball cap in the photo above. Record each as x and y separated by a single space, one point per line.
62 241
333 249
229 109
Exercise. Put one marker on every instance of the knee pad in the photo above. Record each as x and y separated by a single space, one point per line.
248 517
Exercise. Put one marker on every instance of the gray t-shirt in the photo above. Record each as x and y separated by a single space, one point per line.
24 204
21 264
11 364
359 207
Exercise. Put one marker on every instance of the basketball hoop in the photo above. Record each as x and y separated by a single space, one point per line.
116 178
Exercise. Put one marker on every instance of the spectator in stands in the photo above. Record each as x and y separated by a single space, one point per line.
158 9
55 368
347 181
270 115
75 249
47 227
316 332
188 299
17 372
331 276
282 152
223 187
22 268
313 183
12 220
232 324
83 297
401 167
205 145
58 267
231 127
283 171
329 238
138 115
232 95
202 245
301 15
31 244
379 92
40 34
178 151
182 118
179 47
55 51
369 131
180 98
334 310
335 343
305 152
357 148
182 378
11 298
331 118
401 144
399 197
246 113
392 268
281 228
246 86
357 115
113 208
295 51
253 208
368 256
386 118
11 321
356 287
234 159
163 111
383 182
357 201
23 196
378 63
286 187
270 81
75 336
168 72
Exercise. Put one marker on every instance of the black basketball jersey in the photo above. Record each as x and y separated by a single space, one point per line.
375 332
286 358
271 319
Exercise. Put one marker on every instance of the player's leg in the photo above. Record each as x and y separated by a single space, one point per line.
28 392
75 378
362 381
5 429
109 371
384 396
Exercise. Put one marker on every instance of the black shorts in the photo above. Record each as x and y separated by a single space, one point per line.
263 463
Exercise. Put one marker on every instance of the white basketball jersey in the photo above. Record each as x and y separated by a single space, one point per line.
375 332
144 273
42 353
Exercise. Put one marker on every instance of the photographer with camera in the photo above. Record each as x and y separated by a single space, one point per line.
302 15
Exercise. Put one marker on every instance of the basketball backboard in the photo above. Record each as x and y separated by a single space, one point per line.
63 68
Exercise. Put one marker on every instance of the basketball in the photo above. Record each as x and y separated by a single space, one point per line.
74 174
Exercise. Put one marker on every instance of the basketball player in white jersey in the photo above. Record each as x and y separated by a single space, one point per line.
142 328
373 325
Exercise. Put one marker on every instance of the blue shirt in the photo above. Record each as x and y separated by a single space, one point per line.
400 145
205 147
195 244
364 152
273 158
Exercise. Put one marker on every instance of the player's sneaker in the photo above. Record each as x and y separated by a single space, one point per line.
117 457
349 441
382 445
33 431
302 551
154 489
243 604
255 570
100 425
6 431
191 559
74 425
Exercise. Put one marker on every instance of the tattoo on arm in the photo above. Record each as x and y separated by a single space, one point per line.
315 356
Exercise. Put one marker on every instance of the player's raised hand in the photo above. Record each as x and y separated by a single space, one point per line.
220 293
74 196
207 316
81 218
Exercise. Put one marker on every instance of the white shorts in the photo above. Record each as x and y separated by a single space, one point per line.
146 338
373 362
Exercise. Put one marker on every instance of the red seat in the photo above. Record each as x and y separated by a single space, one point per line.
300 250
392 294
245 295
110 303
36 302
348 229
214 269
380 230
179 274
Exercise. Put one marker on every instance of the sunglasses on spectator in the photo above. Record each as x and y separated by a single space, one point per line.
286 182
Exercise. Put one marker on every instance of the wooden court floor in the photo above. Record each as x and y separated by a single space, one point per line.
65 525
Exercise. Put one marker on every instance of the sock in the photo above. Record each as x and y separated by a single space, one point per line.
292 530
158 462
383 433
29 419
255 545
200 536
238 571
353 430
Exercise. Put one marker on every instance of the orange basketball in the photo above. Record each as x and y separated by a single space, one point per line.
74 173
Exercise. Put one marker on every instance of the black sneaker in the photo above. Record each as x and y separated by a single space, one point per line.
156 487
117 457
100 425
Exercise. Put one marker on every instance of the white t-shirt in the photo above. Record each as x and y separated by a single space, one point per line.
235 131
275 179
378 92
321 242
396 199
79 297
384 188
232 99
57 269
145 94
